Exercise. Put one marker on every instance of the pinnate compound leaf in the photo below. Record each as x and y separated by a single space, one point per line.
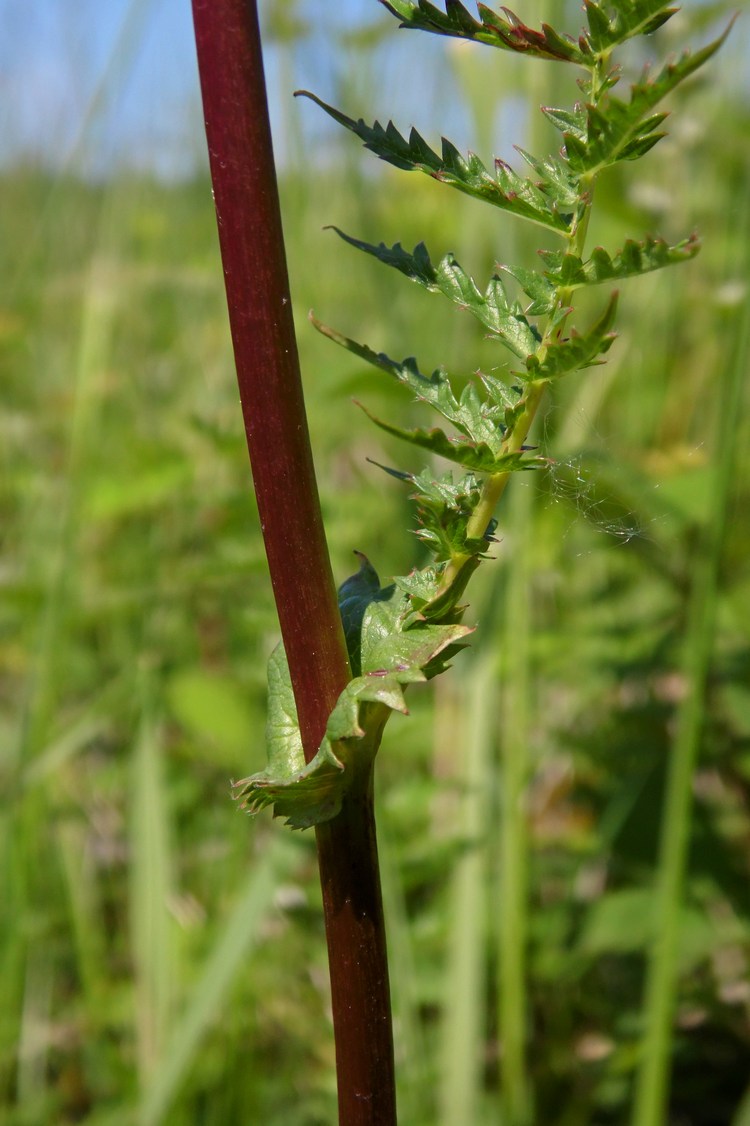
506 31
392 656
504 319
408 631
579 350
618 130
505 189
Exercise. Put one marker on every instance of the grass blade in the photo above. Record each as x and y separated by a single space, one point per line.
513 843
464 1015
151 881
652 1085
240 934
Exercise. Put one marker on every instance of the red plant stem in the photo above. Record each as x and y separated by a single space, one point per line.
260 314
265 350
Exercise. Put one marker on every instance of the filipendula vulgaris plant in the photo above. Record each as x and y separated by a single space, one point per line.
408 631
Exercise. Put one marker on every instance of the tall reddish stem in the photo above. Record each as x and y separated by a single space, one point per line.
265 350
260 314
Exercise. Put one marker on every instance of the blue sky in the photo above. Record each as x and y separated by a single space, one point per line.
95 84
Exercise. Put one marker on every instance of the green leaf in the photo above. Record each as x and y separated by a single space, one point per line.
628 18
477 420
410 653
473 455
392 656
444 510
429 600
387 143
556 181
509 33
618 130
354 596
568 121
286 760
504 319
578 350
567 271
537 286
505 189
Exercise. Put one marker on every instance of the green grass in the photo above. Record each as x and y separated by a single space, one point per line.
161 956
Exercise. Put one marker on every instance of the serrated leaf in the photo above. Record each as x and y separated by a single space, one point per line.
472 455
313 794
570 272
410 653
510 398
507 32
542 292
579 350
556 182
430 600
447 537
530 200
447 491
504 319
568 121
420 586
504 189
618 130
477 420
628 18
444 511
387 143
507 320
393 656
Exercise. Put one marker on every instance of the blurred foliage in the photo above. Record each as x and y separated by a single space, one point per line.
161 956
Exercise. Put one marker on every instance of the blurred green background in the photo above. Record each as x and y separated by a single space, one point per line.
162 957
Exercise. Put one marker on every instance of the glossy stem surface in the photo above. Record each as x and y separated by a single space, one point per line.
265 350
260 313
